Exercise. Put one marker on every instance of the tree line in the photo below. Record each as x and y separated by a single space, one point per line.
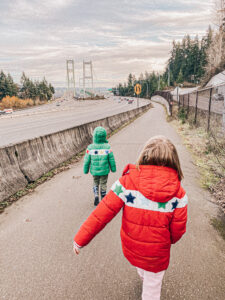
188 60
149 83
186 65
28 89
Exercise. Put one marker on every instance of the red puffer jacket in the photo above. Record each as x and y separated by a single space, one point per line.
154 215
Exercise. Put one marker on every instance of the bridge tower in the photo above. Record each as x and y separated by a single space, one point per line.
87 76
70 78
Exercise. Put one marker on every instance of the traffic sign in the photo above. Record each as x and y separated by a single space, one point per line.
137 89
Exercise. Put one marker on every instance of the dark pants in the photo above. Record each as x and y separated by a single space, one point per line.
100 181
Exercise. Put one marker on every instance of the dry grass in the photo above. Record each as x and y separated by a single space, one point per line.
15 102
208 151
208 156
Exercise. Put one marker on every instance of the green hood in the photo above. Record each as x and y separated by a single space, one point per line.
99 135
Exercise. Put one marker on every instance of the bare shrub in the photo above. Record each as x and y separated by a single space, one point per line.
15 102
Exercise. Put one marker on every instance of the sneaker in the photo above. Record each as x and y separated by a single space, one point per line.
103 193
96 202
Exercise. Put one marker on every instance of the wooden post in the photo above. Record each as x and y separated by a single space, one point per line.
171 104
209 111
188 105
196 108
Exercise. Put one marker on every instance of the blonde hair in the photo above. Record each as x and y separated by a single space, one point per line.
160 151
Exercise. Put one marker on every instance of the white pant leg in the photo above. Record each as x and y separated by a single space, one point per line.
152 285
140 273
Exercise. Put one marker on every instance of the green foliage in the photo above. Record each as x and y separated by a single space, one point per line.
7 86
36 90
182 115
188 59
187 63
28 90
180 78
149 84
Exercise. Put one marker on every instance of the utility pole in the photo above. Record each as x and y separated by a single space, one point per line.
146 82
169 75
159 83
70 77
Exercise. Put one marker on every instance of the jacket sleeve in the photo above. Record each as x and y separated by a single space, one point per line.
179 220
87 162
112 162
103 214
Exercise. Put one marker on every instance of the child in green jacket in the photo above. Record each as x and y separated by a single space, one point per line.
100 160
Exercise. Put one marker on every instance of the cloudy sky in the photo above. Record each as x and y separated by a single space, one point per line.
119 36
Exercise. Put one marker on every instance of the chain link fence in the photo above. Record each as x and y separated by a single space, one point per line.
205 108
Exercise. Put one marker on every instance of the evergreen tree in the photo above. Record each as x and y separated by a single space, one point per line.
13 88
36 90
188 58
7 86
130 88
180 78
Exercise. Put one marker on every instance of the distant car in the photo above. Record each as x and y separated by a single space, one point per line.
8 110
2 112
130 101
57 104
218 97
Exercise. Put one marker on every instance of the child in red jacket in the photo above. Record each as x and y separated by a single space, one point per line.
154 213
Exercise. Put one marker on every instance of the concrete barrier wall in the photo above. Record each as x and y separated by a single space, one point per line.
27 161
162 101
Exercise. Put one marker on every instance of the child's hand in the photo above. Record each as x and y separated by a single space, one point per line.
76 250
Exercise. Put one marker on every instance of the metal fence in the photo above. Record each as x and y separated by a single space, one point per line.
205 107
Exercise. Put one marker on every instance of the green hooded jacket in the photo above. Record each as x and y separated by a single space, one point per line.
99 157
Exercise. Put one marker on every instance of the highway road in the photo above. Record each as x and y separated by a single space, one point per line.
62 114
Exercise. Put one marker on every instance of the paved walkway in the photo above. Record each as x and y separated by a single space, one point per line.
36 259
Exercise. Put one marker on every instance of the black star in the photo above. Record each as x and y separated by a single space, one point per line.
174 204
130 198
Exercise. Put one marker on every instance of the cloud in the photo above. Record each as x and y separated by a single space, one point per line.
119 36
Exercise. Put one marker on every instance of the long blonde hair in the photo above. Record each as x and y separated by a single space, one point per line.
160 151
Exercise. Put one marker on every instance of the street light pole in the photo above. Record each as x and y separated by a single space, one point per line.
146 82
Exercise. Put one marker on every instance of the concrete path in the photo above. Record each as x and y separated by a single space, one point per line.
36 259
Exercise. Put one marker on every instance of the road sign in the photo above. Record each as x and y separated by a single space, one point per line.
137 89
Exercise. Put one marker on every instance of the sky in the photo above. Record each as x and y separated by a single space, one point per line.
119 36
